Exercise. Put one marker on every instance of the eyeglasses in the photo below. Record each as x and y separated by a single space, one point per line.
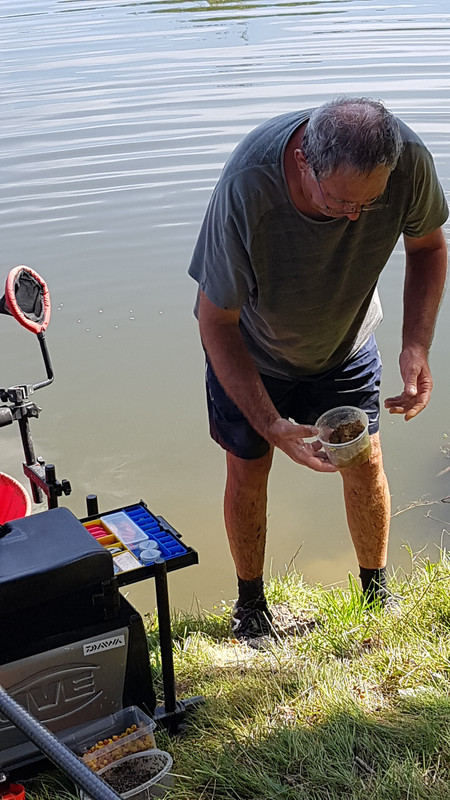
350 208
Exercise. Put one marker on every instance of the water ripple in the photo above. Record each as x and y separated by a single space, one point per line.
116 120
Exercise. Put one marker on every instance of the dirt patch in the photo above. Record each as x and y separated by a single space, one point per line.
288 623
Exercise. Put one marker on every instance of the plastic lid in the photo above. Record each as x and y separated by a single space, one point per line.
147 547
148 556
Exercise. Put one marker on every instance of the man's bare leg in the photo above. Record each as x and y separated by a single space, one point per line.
368 507
245 510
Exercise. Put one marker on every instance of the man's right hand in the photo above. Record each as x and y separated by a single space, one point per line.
237 373
289 437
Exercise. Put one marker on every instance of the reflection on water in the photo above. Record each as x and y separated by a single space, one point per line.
116 120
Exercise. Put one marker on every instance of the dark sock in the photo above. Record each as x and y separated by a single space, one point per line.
251 592
374 584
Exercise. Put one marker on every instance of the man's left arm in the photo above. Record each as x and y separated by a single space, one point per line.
426 270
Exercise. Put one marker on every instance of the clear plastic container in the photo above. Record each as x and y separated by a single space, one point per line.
156 786
344 435
124 528
110 738
149 553
157 761
147 557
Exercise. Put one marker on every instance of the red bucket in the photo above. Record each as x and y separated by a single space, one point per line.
15 502
14 791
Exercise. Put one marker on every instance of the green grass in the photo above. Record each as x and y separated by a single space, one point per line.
357 708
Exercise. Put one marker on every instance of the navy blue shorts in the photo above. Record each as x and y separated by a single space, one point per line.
354 383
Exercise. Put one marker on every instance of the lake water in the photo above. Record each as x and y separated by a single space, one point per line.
116 120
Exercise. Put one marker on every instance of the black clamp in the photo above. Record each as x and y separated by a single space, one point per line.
44 477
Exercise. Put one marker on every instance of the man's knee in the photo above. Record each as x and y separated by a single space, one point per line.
250 473
369 473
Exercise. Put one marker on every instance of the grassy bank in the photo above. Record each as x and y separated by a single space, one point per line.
355 705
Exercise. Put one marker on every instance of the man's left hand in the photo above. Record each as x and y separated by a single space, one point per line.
418 384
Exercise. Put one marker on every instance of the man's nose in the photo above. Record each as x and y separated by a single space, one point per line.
353 215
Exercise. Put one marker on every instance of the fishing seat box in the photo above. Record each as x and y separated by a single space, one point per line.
53 574
72 649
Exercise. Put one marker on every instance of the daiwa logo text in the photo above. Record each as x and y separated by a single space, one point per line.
103 644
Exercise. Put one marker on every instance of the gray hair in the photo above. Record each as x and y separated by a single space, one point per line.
353 132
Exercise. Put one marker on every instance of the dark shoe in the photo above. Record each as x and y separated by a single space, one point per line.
251 621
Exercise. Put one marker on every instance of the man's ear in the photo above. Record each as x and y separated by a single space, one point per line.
300 160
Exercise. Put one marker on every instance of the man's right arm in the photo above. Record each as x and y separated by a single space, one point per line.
237 373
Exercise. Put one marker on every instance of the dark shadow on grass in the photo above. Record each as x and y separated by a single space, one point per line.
400 755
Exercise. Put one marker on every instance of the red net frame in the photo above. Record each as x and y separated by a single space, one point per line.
36 323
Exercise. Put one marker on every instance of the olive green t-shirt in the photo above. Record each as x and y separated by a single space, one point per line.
306 288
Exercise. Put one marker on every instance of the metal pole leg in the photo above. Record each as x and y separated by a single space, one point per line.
165 636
